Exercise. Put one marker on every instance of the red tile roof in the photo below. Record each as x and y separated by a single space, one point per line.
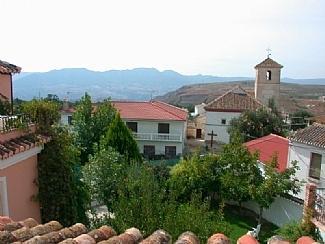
20 144
268 63
7 68
151 110
235 100
269 145
312 135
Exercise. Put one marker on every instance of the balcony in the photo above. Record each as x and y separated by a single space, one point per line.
158 137
11 122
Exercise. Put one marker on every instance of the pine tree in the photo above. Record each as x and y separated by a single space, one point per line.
119 137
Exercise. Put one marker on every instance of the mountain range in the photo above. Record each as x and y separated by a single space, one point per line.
134 84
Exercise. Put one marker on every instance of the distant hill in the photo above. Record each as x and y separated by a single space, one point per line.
293 96
139 83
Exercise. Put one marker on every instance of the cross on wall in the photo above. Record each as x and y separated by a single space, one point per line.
212 134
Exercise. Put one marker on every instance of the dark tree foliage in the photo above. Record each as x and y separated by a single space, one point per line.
61 195
298 119
256 124
5 108
119 137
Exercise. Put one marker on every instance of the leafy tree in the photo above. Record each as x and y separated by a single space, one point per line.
239 171
103 174
60 196
91 126
256 124
43 113
83 126
102 118
298 119
119 137
195 174
273 184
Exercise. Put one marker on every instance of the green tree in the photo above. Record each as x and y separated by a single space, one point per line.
103 174
195 174
239 171
120 138
91 125
60 196
102 118
43 113
298 119
83 126
273 184
256 124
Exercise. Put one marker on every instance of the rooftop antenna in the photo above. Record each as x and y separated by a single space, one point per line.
268 52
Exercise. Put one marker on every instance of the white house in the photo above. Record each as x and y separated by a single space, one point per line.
159 128
222 110
307 147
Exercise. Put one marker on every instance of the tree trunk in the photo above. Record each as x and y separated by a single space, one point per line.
260 216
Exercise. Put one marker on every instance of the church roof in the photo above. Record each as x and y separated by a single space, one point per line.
268 63
235 100
7 68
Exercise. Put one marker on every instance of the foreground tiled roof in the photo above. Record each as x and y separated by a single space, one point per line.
151 110
235 100
313 135
268 63
20 144
7 68
29 231
268 146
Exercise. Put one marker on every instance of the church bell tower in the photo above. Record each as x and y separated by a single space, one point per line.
267 82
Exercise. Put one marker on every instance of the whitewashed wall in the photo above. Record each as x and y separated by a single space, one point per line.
281 211
302 153
64 118
151 126
213 122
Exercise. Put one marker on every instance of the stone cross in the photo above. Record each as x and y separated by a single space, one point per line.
268 52
212 135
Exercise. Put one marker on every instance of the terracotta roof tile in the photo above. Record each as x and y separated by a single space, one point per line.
268 63
7 68
235 100
152 110
312 135
21 144
268 146
30 232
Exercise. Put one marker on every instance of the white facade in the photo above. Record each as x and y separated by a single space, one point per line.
65 118
218 122
147 135
302 154
199 109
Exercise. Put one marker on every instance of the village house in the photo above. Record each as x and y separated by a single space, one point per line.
159 128
18 156
222 110
307 147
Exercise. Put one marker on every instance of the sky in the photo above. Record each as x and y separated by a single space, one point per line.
216 37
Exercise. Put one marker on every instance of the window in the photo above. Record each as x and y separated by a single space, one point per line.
149 151
170 151
163 128
268 75
69 119
132 126
223 121
315 165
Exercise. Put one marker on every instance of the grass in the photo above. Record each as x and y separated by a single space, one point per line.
242 221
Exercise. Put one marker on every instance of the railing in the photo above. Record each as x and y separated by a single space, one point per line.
10 122
320 205
157 137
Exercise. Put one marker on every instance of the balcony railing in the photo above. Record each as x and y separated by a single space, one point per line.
11 122
320 205
157 137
